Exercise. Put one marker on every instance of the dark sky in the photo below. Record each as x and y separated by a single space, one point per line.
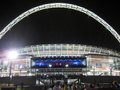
56 26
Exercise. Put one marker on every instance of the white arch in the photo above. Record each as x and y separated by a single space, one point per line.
60 5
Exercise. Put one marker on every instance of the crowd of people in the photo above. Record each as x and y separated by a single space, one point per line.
75 86
61 86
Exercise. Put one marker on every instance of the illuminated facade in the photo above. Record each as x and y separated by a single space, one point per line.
99 61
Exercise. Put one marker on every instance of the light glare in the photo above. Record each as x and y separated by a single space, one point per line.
12 54
50 65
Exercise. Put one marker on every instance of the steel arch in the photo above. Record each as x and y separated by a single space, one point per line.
60 5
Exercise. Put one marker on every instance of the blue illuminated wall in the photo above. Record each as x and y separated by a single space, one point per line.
58 62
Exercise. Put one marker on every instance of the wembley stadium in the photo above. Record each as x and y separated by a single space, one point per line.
95 60
36 66
60 58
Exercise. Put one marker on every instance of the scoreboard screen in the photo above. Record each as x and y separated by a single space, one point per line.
58 62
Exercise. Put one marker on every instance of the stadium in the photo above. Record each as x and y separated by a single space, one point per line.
97 60
59 59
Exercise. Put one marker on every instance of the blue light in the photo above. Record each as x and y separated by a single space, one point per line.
59 62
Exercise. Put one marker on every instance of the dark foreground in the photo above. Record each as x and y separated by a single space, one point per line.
61 82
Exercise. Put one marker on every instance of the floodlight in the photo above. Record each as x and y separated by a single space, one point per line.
12 54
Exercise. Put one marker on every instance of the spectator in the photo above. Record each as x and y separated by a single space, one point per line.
57 86
49 88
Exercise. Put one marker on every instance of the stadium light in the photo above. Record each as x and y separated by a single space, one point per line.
50 65
12 54
66 65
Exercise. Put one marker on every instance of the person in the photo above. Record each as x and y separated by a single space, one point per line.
22 85
74 86
62 87
49 88
115 84
57 86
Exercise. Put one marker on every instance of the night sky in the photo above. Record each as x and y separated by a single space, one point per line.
59 26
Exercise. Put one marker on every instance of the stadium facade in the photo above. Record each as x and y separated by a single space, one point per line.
100 61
